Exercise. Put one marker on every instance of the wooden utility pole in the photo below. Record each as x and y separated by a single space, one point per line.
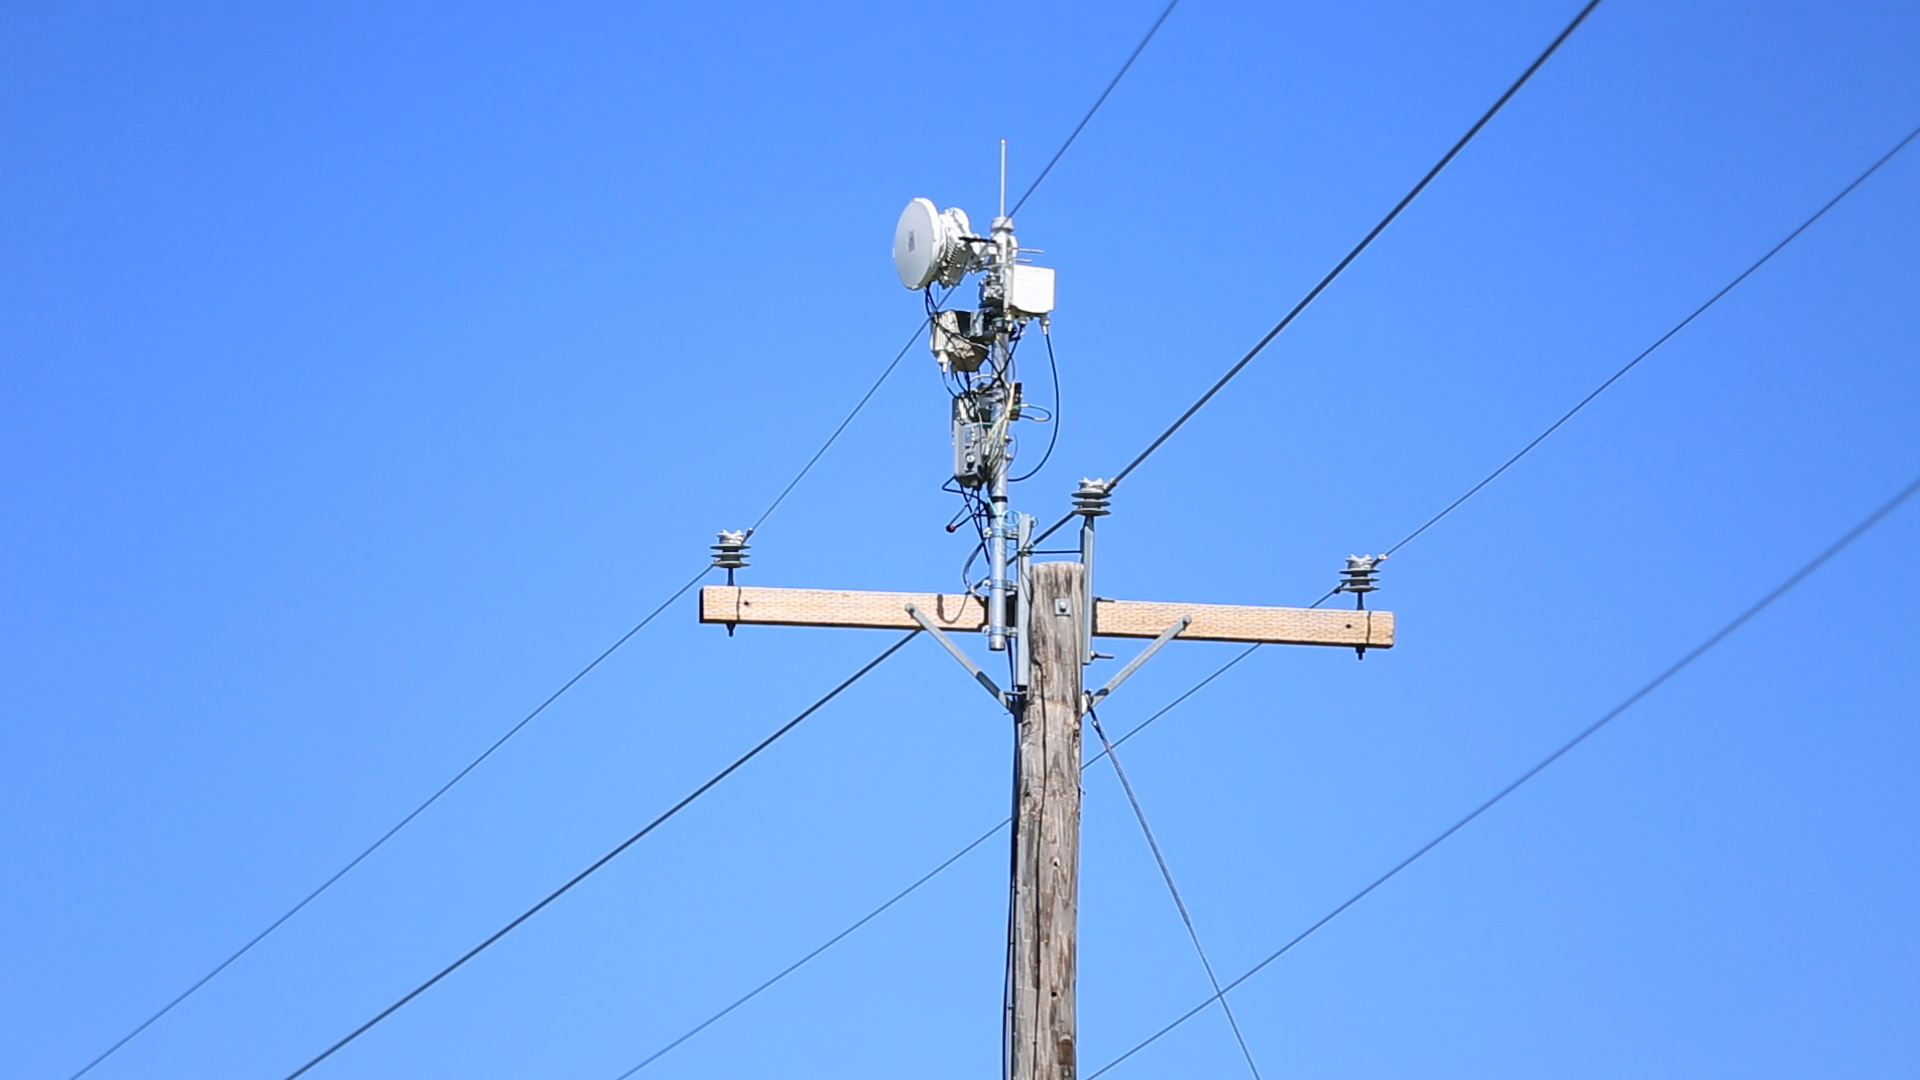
1044 612
1046 861
1041 1032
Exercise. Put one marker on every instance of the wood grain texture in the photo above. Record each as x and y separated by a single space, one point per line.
1112 618
838 607
1047 835
1239 622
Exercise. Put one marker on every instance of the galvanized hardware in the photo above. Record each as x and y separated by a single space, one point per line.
1022 603
1090 502
1171 632
966 661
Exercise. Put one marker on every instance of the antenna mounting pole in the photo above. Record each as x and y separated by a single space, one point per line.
1003 178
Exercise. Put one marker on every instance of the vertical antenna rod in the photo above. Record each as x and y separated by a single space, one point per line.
1003 179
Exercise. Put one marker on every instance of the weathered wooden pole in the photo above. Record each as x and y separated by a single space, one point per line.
1047 832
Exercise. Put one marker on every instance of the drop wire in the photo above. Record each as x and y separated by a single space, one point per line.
1659 341
929 876
390 833
1632 699
831 439
1340 267
510 732
1099 101
609 856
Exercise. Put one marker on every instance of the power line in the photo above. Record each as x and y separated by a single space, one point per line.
609 856
929 876
1342 265
1239 657
510 732
1166 873
1099 101
805 469
1696 653
828 944
1661 340
1435 519
831 439
390 833
1365 241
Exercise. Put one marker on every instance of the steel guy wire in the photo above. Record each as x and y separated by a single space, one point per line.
929 876
1166 873
1661 340
1778 591
611 855
1341 266
390 833
1099 101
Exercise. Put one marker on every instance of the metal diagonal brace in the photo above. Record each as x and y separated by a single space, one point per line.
966 661
1133 665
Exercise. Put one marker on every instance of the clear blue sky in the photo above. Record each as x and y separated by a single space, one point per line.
369 369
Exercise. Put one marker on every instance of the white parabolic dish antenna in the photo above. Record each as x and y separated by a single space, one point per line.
929 246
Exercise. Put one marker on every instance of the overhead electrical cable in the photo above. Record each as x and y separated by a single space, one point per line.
390 833
1097 102
805 469
609 856
1430 522
823 947
1632 699
1659 341
1244 654
831 439
509 734
1345 262
928 876
1166 874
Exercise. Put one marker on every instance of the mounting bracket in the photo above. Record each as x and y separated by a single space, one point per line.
1133 665
966 661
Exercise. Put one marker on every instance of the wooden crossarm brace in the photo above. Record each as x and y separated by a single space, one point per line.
1111 618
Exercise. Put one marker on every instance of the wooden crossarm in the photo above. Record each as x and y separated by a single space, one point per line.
1111 618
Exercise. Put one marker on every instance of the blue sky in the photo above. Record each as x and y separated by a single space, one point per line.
369 369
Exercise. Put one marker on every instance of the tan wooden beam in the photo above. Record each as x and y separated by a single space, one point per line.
838 607
1112 618
1238 622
